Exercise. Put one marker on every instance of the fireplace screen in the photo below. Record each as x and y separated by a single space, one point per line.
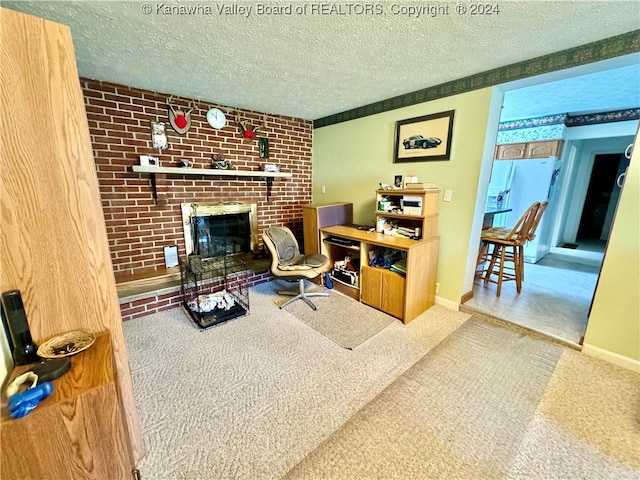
215 229
221 234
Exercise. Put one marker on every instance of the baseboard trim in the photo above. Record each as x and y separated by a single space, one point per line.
447 303
611 357
466 297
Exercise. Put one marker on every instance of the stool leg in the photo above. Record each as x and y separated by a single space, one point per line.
484 246
517 266
492 263
501 269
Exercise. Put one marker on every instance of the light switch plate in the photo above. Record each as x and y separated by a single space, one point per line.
447 195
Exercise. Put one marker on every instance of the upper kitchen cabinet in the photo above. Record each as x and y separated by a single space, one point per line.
520 151
510 151
550 148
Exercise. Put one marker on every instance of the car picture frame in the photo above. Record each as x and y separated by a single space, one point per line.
425 138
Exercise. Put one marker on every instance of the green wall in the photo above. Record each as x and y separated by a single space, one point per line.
351 158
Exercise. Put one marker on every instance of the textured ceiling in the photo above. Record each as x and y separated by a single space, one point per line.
329 58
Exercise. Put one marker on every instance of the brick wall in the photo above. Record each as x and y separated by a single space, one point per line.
138 230
120 125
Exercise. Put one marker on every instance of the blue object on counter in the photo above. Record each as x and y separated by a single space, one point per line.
21 404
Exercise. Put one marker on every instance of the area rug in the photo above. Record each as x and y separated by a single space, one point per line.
341 319
461 411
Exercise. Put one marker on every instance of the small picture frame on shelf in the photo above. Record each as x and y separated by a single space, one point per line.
397 181
148 161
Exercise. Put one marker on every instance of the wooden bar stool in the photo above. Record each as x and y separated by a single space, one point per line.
501 251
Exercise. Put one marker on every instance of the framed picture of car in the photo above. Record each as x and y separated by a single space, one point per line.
424 138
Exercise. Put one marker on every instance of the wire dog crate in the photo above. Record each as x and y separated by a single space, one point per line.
214 289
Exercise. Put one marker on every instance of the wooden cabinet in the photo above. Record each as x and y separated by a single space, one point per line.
78 431
53 240
510 151
547 149
403 296
322 215
520 151
383 289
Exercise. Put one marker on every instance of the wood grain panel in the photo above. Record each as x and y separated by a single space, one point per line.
76 432
53 238
370 286
422 268
393 297
317 216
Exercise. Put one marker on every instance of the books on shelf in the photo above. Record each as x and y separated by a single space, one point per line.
399 267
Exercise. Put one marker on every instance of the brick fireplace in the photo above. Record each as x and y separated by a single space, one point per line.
138 230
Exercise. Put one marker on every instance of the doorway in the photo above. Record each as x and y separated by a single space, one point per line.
558 289
601 200
562 284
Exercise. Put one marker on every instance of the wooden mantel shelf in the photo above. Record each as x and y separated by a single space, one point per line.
209 171
158 176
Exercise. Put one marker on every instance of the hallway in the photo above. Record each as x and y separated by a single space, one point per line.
555 297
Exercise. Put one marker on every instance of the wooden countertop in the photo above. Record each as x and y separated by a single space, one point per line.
374 238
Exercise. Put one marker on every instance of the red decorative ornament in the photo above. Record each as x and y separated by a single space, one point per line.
181 120
249 131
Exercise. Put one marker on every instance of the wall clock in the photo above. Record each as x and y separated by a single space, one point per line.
216 118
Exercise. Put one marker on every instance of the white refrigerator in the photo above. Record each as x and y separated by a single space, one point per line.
527 181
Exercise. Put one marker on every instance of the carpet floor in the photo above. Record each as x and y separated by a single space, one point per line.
468 409
448 395
250 398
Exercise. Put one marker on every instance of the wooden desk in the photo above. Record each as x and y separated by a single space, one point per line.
78 431
404 297
490 213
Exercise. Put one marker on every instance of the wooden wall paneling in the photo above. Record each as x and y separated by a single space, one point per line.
53 238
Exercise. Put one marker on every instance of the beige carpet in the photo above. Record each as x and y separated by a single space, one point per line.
250 398
265 397
491 403
460 412
340 318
